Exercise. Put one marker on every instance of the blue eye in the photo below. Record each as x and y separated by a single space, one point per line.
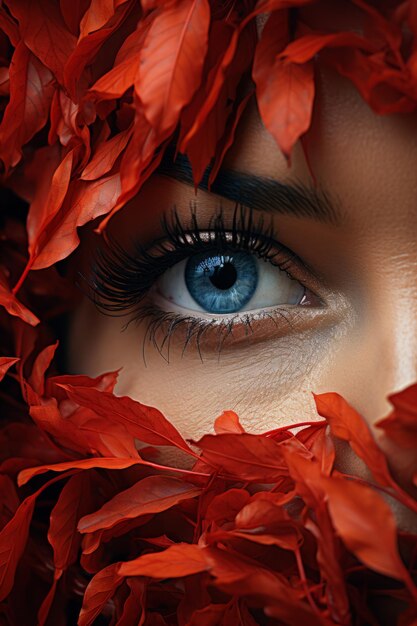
229 282
222 283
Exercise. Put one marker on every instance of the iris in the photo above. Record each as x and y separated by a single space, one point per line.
222 283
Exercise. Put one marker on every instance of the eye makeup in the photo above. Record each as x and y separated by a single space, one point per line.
132 280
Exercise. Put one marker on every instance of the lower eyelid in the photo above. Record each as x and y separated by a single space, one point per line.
167 330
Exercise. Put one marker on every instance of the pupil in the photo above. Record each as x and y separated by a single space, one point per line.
224 276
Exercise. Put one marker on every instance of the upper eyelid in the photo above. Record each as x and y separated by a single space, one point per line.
121 279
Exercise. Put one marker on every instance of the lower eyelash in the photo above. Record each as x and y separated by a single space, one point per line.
161 326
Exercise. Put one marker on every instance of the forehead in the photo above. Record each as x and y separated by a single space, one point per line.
364 160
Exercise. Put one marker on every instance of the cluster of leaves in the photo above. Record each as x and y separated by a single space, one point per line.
93 91
253 529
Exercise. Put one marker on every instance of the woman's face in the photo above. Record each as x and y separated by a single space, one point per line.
345 323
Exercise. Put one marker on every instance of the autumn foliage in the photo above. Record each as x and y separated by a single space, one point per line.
253 529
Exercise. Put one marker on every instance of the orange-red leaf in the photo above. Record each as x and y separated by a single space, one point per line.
13 539
105 156
401 424
31 91
247 457
366 524
73 502
347 424
12 305
228 422
285 91
144 422
148 496
285 102
134 607
6 363
181 559
44 209
86 201
110 463
44 31
99 590
40 367
305 48
171 61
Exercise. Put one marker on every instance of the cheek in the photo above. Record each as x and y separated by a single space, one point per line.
262 381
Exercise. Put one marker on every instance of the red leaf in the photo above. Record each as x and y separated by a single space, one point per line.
94 34
30 444
9 501
206 136
44 32
210 615
47 603
232 614
387 29
346 424
115 82
53 221
123 74
265 522
13 538
366 524
247 457
9 27
97 15
99 590
134 607
107 439
285 93
111 463
105 156
6 362
181 559
43 210
316 439
401 424
104 382
77 428
276 100
12 304
148 496
228 422
225 506
228 138
176 561
73 502
40 367
310 487
144 422
72 12
31 91
305 48
171 61
86 201
241 578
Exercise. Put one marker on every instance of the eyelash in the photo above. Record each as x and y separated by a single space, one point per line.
120 280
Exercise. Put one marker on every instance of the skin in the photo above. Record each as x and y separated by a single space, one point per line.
361 343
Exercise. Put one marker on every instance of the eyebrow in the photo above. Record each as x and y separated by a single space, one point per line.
258 192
